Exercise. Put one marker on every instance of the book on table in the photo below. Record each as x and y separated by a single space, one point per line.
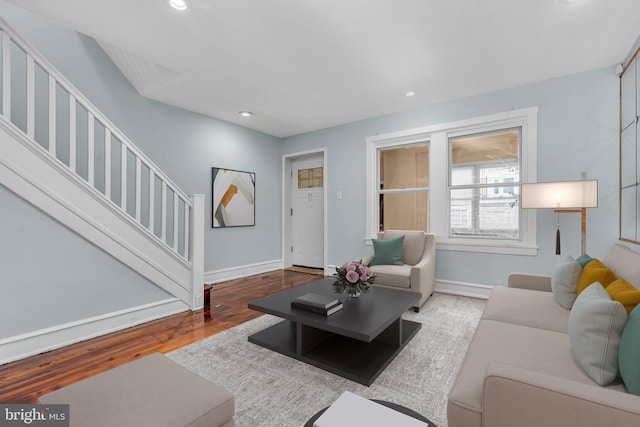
317 300
319 310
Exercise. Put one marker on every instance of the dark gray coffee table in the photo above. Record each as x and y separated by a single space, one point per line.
357 342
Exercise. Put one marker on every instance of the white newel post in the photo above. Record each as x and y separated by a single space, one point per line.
196 249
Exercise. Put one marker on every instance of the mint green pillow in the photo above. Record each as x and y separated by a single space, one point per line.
596 323
629 353
583 260
387 252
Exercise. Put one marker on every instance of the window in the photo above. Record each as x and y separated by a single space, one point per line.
310 178
467 193
480 165
403 187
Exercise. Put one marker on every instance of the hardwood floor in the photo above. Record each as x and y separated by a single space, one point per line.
25 380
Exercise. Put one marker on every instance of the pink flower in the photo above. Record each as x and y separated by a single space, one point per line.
352 276
361 269
351 267
364 277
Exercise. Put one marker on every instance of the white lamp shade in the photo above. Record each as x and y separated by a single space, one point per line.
560 195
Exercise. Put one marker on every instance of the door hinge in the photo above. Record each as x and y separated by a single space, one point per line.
291 211
291 249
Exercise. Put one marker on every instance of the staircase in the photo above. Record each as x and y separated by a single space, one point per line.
61 154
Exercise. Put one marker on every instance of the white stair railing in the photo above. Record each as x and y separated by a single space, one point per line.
53 115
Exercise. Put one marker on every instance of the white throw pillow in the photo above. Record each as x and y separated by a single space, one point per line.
564 281
595 326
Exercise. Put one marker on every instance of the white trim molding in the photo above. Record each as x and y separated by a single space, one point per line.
217 276
36 342
437 138
287 160
466 289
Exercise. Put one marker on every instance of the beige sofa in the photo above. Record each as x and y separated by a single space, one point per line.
418 273
520 371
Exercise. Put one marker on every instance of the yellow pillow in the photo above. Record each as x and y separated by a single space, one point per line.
625 293
595 271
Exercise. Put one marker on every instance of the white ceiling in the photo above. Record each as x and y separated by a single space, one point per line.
302 65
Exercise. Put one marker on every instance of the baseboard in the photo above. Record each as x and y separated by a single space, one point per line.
32 343
466 289
452 287
217 276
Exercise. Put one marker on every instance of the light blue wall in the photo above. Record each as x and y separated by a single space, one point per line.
66 278
52 264
577 131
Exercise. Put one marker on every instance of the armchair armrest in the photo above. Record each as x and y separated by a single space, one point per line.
423 274
536 282
517 396
367 260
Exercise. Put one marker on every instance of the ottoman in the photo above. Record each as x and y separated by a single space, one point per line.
152 391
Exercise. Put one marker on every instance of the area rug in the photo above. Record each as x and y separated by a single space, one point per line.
274 390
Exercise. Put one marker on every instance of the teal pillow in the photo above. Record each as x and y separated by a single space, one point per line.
629 352
583 260
596 323
387 252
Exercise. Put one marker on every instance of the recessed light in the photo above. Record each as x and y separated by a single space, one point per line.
572 2
178 4
409 93
245 113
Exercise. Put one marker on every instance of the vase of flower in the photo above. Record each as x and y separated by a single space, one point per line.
353 279
353 293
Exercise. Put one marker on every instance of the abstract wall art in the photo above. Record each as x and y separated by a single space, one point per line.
233 198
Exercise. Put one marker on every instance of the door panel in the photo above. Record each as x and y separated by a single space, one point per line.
308 212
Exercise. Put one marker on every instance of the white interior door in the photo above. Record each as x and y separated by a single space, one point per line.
307 201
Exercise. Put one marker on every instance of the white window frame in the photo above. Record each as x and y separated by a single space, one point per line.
437 136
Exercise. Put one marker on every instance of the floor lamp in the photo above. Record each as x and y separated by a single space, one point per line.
562 197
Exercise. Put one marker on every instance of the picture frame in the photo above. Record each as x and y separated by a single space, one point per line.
232 198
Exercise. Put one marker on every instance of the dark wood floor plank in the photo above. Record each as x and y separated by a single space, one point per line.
25 380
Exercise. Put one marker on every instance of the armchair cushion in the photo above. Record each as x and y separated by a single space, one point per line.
393 275
388 252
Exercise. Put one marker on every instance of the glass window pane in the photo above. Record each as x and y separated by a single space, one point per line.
485 158
310 178
404 167
488 212
404 211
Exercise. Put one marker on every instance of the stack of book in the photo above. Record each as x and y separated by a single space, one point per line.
317 303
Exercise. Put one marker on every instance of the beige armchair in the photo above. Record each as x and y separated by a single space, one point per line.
419 269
